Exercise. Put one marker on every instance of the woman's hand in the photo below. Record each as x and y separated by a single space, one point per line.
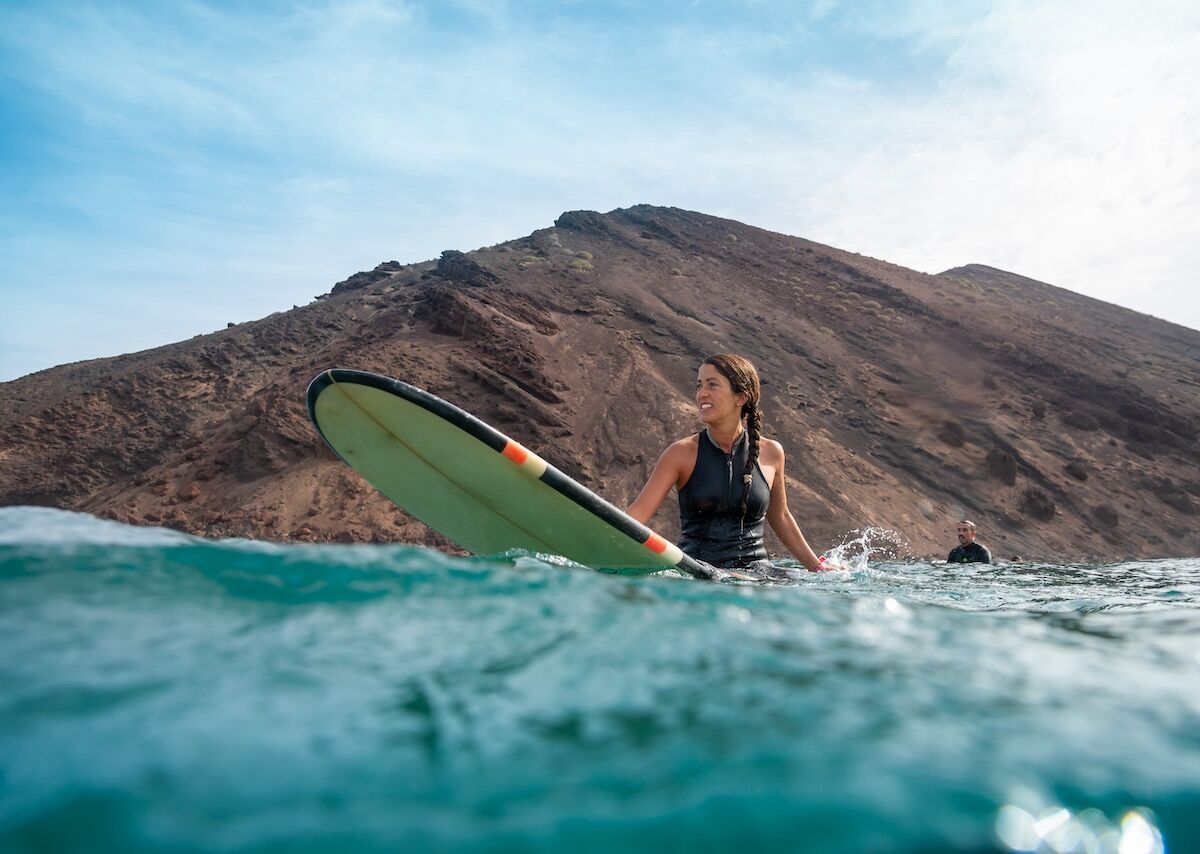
831 564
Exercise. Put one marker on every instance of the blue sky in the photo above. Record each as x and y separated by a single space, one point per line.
166 168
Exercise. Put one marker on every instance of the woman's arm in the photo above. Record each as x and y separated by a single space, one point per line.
780 517
667 473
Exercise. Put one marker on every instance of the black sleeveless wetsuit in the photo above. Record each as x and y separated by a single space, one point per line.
710 507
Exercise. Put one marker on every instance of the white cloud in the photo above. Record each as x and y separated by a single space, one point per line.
1060 140
1064 143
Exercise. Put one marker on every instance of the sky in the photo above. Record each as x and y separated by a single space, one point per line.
168 168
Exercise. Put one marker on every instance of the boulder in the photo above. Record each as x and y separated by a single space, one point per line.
1037 504
951 432
1002 466
1081 421
457 267
1106 515
1076 469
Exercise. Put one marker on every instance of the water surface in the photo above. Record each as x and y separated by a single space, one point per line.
162 692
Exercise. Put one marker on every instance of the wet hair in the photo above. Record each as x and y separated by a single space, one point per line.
743 377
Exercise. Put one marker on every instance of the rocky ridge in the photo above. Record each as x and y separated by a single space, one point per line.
1064 426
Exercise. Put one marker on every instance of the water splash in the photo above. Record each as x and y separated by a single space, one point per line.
858 547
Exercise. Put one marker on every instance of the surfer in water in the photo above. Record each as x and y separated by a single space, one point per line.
967 550
729 478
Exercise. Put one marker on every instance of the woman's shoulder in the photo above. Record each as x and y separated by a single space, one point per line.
686 445
679 456
769 451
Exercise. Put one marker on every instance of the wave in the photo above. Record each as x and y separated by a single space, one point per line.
166 692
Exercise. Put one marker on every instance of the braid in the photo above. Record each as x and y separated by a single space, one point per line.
754 419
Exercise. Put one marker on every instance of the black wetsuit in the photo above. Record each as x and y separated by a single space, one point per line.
710 507
974 553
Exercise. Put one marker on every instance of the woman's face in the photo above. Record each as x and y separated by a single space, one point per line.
715 399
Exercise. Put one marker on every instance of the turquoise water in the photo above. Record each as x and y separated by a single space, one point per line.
164 693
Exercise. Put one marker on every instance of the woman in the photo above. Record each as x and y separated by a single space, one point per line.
729 478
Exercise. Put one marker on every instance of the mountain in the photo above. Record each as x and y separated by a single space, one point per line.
1065 427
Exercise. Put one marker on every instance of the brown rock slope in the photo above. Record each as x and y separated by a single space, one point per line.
1064 426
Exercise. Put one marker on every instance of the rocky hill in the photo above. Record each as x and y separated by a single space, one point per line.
1064 426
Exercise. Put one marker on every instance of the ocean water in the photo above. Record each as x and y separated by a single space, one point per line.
160 692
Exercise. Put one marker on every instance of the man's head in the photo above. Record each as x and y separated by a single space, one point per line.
966 532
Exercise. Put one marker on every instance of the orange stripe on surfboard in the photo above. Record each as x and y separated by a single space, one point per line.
515 452
656 544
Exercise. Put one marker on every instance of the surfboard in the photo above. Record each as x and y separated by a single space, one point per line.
470 482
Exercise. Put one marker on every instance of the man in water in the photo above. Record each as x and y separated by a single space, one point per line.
967 550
